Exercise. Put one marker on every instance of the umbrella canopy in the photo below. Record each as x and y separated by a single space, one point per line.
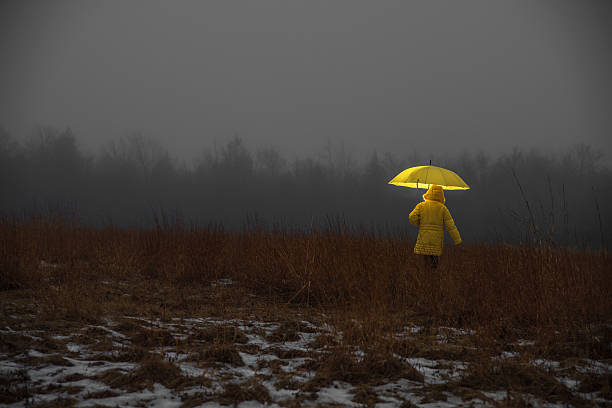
425 176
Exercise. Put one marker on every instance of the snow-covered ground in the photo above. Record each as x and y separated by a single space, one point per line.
246 363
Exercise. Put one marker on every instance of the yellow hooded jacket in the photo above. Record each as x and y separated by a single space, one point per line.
431 216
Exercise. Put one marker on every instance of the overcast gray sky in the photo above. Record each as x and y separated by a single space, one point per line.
386 75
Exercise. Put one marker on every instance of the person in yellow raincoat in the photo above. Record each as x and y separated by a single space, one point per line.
431 216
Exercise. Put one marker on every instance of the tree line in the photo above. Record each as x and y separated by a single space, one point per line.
523 195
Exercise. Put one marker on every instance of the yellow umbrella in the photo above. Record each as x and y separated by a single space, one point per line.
425 176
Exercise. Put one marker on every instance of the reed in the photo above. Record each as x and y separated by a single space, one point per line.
338 270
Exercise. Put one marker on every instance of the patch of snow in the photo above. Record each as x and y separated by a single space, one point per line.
428 369
190 370
506 354
294 363
51 374
249 360
110 331
36 353
496 395
326 327
337 393
89 386
156 323
222 282
388 402
279 394
309 325
75 348
570 383
160 397
301 344
173 356
594 367
27 334
401 389
59 337
257 340
454 330
546 364
254 404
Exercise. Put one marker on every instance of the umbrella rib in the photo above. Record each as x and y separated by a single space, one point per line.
443 176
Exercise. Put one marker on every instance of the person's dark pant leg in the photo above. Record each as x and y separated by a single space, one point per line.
433 260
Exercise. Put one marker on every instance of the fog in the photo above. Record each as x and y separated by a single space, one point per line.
387 76
134 182
297 111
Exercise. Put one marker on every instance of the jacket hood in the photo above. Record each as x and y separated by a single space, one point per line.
435 193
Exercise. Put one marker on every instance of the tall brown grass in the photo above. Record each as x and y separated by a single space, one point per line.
499 288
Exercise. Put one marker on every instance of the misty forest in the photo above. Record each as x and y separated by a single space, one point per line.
522 195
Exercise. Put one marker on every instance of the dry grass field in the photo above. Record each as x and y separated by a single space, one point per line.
185 317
